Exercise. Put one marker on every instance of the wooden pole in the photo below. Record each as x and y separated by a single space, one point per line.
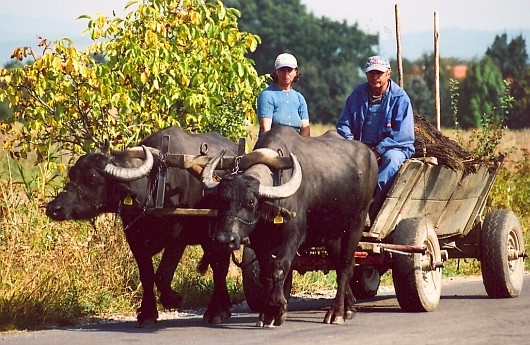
436 71
398 44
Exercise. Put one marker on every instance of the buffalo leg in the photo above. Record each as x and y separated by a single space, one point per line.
349 303
342 305
336 313
220 304
147 313
169 298
279 271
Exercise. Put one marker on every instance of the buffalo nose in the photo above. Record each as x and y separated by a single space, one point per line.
53 211
231 239
50 210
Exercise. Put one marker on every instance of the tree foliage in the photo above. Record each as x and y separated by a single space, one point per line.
520 90
5 111
168 62
329 53
421 96
419 84
480 92
511 58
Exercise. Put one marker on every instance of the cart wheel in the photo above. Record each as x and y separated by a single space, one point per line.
365 282
501 261
417 279
252 288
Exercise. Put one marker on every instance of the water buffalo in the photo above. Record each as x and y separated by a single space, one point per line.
322 201
126 185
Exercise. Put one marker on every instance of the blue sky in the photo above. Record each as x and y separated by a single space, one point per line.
467 27
417 15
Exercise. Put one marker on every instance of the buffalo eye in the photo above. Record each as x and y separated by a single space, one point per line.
91 179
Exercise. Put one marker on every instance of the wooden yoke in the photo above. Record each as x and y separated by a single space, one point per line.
162 173
193 163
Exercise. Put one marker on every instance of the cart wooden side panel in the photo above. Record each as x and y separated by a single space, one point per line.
449 199
465 204
396 202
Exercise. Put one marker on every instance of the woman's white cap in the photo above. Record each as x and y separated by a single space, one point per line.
285 60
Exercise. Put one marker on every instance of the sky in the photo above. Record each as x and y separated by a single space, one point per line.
467 27
417 15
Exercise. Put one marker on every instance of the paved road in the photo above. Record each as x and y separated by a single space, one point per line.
465 316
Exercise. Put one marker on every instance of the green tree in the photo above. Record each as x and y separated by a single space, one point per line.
479 93
421 96
168 62
5 111
330 53
520 90
511 58
424 66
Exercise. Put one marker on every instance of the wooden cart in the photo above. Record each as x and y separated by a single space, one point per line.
431 213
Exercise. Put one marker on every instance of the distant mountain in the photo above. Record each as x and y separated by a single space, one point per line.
458 43
7 45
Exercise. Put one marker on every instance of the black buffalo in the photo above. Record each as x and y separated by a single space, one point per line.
323 201
127 186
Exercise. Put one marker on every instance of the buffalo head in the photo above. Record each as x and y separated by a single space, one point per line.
92 182
244 196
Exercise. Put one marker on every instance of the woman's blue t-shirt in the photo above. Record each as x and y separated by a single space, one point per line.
286 108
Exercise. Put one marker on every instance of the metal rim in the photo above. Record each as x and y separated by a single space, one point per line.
430 274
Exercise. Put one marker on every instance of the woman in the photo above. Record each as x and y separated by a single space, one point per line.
281 105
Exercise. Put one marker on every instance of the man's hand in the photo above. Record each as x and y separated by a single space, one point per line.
377 154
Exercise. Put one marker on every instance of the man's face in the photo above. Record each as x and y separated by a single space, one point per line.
377 79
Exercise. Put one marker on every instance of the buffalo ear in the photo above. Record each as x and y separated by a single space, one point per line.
270 211
123 189
105 149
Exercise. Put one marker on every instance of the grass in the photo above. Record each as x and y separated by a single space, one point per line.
54 273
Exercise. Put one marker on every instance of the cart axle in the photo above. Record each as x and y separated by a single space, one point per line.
514 254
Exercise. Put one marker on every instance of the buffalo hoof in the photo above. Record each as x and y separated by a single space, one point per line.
280 315
143 322
260 322
280 320
146 319
171 300
269 320
350 314
216 316
264 321
339 320
149 323
334 318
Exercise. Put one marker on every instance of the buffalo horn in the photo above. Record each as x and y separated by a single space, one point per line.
134 152
106 147
287 189
208 180
130 174
266 156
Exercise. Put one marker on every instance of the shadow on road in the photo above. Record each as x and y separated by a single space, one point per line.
313 310
303 310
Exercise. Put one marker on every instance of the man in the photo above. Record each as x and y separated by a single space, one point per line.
379 114
279 103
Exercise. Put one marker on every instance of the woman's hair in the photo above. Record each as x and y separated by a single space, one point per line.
274 76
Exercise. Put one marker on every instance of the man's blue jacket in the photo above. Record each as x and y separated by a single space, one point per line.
398 128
